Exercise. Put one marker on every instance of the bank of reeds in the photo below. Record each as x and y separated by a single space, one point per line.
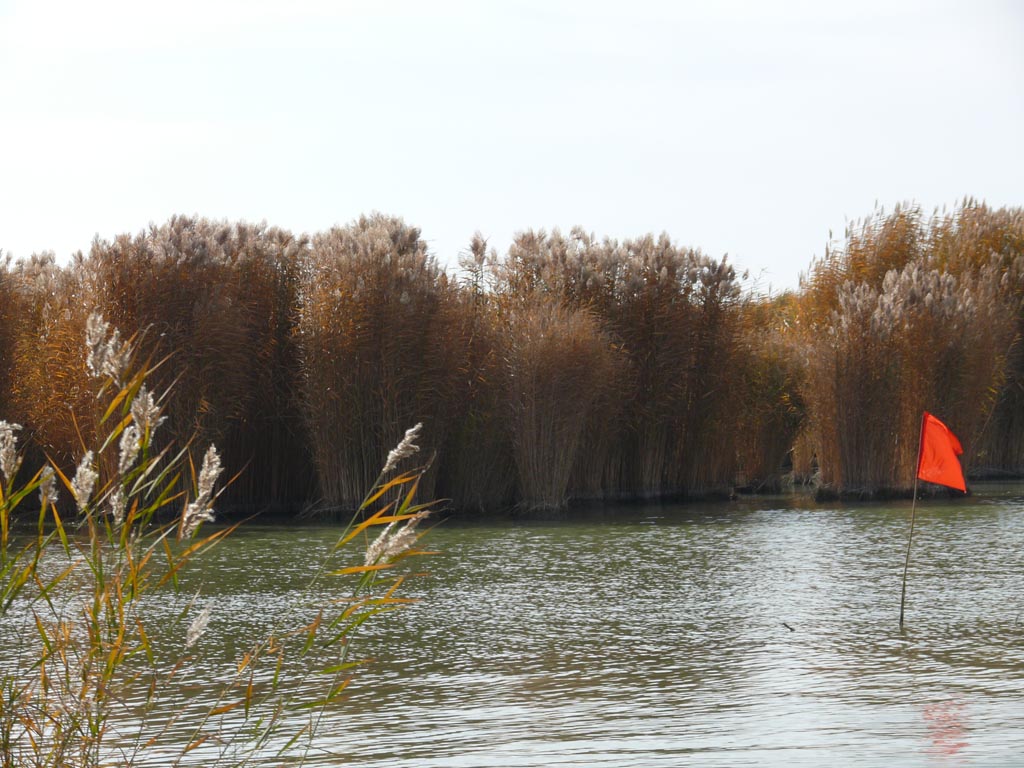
558 365
652 373
897 342
10 316
50 391
772 409
375 310
221 300
477 467
971 237
670 313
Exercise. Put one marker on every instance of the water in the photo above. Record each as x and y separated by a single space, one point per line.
748 634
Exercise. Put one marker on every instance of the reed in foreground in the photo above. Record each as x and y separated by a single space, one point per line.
91 565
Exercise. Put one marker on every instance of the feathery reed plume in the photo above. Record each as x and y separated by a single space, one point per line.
107 354
84 482
47 486
10 459
145 412
404 449
198 627
393 542
128 449
201 509
117 505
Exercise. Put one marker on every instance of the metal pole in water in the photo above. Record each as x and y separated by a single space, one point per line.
906 564
913 511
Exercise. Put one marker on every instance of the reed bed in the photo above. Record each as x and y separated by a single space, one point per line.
913 337
477 466
557 365
773 385
670 314
50 391
220 300
10 317
570 367
374 313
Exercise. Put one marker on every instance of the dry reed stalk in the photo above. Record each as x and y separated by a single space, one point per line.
373 320
920 338
477 470
218 298
773 410
557 362
94 680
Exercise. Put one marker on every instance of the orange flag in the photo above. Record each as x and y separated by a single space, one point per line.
937 461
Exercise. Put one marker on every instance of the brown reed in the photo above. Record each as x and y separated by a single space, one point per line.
374 315
557 364
220 298
772 408
477 468
920 338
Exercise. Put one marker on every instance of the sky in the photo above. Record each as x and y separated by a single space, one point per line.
753 129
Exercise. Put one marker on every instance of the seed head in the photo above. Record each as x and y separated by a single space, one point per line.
197 627
201 510
145 412
131 442
10 461
84 482
391 543
118 505
47 486
404 449
107 355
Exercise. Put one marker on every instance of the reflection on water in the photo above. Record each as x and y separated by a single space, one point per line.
946 724
748 634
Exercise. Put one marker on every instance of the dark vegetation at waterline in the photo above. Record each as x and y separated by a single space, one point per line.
568 368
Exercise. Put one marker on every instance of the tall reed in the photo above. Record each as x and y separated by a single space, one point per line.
557 365
921 338
374 314
221 299
477 466
771 411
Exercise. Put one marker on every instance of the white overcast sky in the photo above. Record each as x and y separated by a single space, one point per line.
747 128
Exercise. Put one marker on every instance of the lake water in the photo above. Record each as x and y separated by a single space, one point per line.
755 633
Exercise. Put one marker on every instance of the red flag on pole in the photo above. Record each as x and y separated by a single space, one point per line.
937 462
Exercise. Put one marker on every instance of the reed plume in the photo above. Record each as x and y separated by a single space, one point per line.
920 338
477 468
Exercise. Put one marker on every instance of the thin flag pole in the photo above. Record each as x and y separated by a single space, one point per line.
913 511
